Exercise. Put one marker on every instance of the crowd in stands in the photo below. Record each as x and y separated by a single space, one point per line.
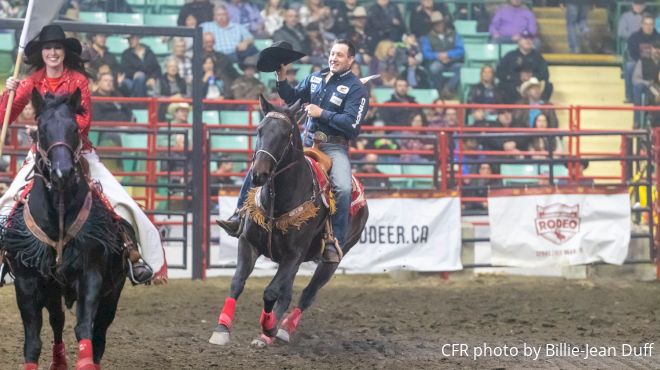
417 47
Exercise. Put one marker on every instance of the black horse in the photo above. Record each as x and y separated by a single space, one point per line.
63 241
289 186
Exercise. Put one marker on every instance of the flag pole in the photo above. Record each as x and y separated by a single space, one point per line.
10 101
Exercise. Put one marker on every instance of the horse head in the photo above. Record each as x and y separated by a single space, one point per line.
58 138
277 135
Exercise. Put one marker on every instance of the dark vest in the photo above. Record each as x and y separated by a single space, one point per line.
444 43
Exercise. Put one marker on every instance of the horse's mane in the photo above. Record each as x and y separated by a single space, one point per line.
101 228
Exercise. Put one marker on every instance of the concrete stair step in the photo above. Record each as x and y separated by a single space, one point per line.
556 12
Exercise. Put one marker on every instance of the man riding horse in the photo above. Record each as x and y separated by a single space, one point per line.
57 68
337 101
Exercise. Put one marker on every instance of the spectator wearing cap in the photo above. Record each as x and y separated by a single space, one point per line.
98 54
510 21
140 66
247 86
248 15
384 22
293 32
639 46
443 51
508 70
231 39
359 37
420 18
341 13
577 28
202 10
531 91
416 75
631 21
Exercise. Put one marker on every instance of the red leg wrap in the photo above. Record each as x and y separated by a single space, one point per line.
30 366
227 315
267 321
290 322
85 354
59 357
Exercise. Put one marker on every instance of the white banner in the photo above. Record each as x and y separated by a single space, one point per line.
543 227
37 16
401 233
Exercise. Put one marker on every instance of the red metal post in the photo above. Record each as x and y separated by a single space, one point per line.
443 160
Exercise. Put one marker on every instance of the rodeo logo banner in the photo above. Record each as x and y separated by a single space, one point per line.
551 226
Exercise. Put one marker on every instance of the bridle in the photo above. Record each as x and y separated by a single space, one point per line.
289 145
45 160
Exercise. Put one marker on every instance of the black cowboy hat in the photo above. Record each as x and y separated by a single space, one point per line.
281 52
53 33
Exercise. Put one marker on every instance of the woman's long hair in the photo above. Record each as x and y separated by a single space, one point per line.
71 61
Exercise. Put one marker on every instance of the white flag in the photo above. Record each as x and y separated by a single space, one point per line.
39 13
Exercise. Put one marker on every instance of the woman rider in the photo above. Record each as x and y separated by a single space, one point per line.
55 66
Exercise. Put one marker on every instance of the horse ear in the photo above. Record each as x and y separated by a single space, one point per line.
265 105
293 109
74 100
37 102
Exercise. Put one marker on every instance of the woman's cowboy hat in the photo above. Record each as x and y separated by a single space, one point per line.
53 33
529 83
172 108
281 52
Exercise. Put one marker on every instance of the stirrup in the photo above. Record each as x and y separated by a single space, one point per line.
146 279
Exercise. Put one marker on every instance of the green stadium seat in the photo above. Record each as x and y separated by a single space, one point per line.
141 115
518 170
261 44
383 94
269 79
210 117
7 45
480 54
419 183
228 117
156 44
424 96
390 169
93 137
134 141
229 142
116 44
170 6
507 48
476 38
465 27
136 19
558 170
469 76
93 17
165 20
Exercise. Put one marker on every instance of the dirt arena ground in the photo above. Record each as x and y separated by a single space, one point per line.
375 322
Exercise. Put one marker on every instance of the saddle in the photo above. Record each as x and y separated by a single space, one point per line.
323 160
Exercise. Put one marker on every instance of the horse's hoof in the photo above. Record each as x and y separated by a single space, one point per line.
85 364
262 341
58 366
283 335
220 338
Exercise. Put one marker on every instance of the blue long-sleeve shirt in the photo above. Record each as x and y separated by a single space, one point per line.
344 100
455 54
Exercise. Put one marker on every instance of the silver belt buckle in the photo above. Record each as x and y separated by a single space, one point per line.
320 137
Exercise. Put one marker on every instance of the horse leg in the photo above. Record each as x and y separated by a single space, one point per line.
268 320
286 294
104 317
89 288
30 301
322 275
56 319
247 257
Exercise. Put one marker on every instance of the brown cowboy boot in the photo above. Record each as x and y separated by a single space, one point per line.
139 272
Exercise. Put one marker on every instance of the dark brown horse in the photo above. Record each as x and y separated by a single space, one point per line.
288 188
62 241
